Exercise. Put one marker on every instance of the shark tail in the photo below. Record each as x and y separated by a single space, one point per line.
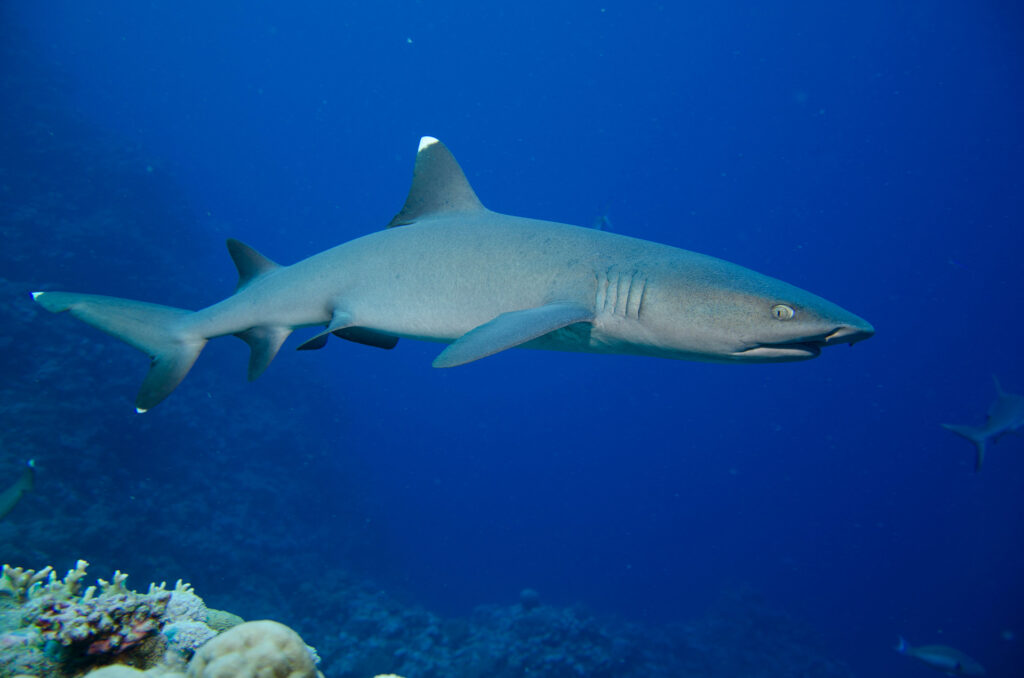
976 435
901 646
158 331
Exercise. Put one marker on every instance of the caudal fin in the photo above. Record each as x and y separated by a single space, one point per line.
153 329
901 646
976 435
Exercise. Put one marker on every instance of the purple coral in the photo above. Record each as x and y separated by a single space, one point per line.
108 624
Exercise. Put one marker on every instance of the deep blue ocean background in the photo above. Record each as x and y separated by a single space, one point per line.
869 152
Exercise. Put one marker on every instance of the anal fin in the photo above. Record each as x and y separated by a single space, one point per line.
264 343
511 329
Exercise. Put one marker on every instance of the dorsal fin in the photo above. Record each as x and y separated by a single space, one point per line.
438 185
250 263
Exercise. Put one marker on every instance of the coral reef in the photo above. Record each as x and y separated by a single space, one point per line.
53 627
259 649
370 631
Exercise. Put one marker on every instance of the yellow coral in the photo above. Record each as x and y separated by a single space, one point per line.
115 671
259 649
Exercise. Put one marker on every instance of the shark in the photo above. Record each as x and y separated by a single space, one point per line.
26 482
949 660
1006 415
449 270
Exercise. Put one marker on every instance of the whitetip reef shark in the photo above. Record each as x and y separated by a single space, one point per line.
26 482
949 660
1006 415
448 269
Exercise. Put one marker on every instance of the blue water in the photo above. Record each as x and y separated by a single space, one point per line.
869 152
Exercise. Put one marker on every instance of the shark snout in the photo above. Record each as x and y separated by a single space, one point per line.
849 334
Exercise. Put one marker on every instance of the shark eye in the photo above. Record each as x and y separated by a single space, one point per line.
783 312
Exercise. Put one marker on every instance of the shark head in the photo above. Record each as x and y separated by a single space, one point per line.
745 316
798 330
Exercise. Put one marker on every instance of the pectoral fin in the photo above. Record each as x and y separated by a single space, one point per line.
511 329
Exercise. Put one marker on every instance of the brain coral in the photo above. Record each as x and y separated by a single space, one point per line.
259 649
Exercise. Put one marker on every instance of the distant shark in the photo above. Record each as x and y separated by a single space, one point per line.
26 482
943 658
1006 415
458 273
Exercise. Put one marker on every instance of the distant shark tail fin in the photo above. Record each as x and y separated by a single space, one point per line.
976 435
901 645
999 387
155 330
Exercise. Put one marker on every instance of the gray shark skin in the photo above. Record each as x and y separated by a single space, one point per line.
449 270
1006 415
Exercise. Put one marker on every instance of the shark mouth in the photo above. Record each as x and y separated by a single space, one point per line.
807 347
795 350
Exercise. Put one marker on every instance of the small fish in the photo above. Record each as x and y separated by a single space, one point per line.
1006 415
25 482
949 660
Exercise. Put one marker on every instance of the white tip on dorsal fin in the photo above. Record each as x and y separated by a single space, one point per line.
250 263
438 186
36 295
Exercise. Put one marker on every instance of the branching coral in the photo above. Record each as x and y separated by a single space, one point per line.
106 624
55 624
17 581
61 631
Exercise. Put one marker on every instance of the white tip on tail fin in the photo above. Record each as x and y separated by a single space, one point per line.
153 329
36 295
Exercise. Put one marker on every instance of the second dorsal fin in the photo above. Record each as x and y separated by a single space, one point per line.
438 185
250 263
